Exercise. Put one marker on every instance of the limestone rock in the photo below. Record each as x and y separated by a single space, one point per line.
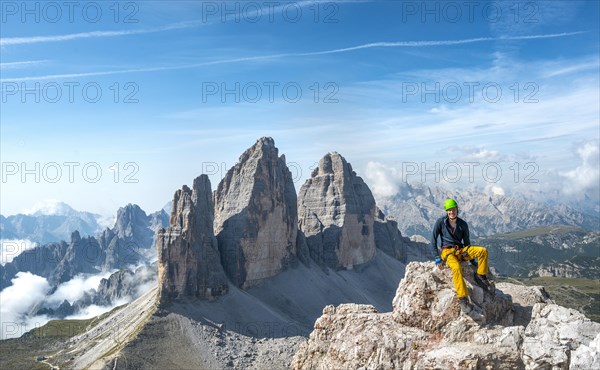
524 297
388 237
188 256
115 287
256 216
553 333
354 336
336 213
133 225
425 298
426 331
587 356
131 239
82 255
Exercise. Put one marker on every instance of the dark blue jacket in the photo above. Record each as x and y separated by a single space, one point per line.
442 228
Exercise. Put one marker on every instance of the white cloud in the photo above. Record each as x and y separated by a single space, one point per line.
494 190
92 310
586 176
93 34
75 288
49 207
27 290
11 248
23 64
477 154
383 180
269 57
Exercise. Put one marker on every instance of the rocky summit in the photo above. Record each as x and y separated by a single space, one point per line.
256 215
518 328
189 263
336 214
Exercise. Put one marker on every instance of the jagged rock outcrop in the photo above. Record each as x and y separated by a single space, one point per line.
353 336
82 255
336 213
63 310
116 286
554 333
256 216
121 286
128 243
388 237
132 238
426 330
188 255
425 298
133 224
524 298
57 262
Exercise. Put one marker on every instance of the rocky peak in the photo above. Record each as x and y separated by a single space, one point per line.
256 215
427 330
188 255
75 237
133 225
158 219
336 213
82 255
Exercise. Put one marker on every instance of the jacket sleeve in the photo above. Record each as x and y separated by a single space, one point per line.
434 237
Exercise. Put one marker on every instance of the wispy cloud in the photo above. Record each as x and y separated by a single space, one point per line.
571 69
292 55
6 41
24 64
438 43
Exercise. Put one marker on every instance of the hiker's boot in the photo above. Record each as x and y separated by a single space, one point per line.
483 282
465 305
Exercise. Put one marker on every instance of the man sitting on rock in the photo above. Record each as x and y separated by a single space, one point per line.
456 247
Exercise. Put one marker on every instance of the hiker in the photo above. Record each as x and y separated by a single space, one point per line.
456 247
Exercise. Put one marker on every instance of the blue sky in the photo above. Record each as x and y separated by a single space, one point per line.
109 103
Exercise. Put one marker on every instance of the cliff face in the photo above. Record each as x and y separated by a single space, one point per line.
253 231
336 214
188 256
256 216
519 329
388 237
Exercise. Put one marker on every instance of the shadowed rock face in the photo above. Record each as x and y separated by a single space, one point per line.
189 262
336 213
256 216
388 237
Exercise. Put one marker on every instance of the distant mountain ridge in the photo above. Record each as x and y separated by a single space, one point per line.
128 243
50 223
416 207
554 251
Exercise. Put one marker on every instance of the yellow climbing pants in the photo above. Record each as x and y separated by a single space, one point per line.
453 258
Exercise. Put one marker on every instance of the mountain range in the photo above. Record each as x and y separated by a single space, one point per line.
245 271
417 206
49 224
129 242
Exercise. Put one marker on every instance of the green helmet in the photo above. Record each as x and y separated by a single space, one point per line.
450 203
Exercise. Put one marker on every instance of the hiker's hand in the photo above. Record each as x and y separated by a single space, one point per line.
438 263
